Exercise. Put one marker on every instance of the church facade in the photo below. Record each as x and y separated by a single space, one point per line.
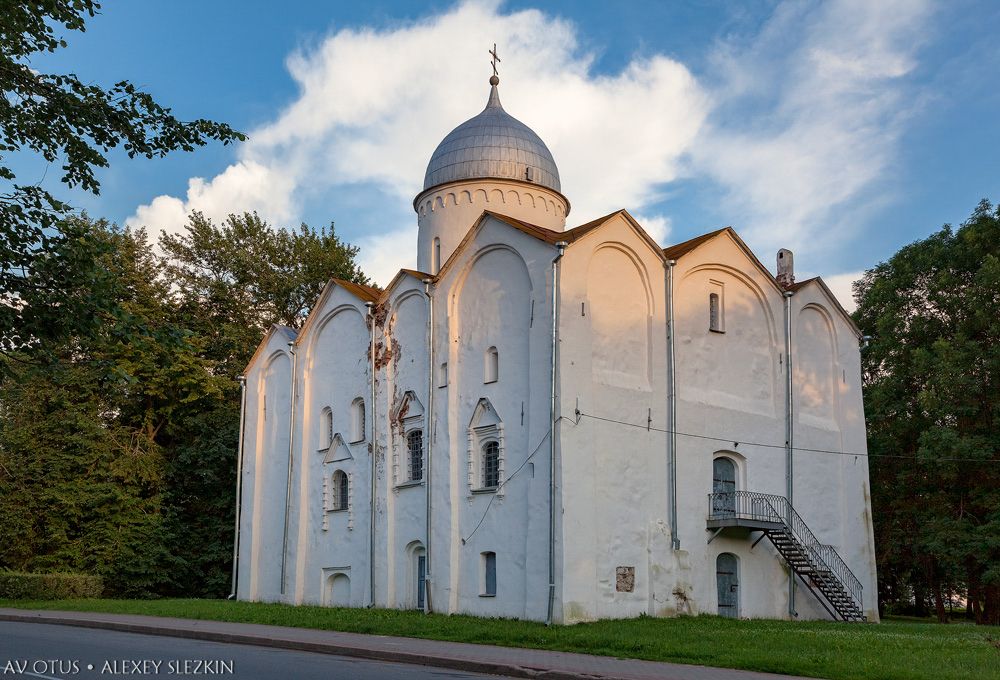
558 424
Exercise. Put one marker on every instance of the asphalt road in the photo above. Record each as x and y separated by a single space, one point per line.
50 652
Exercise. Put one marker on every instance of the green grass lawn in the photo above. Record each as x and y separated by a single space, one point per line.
828 650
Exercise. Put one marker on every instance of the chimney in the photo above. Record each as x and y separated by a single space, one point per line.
786 269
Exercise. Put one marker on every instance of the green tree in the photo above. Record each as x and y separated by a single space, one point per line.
932 376
82 438
119 457
62 119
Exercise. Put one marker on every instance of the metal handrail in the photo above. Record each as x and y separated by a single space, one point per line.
763 507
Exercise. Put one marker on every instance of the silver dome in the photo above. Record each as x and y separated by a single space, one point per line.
493 145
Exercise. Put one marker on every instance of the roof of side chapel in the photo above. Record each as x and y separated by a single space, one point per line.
289 334
551 236
358 290
675 251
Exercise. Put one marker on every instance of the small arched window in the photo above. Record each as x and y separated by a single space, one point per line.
326 425
436 256
341 489
491 371
415 449
357 420
491 465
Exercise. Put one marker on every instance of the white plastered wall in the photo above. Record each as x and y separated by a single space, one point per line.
613 479
265 458
402 525
832 491
612 499
730 387
333 371
494 294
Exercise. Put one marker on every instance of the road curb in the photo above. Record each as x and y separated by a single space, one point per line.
397 656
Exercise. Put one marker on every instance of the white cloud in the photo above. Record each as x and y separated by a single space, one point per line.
244 186
383 255
657 226
805 119
840 285
374 103
808 119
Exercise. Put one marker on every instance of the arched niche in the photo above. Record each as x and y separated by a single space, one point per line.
336 360
815 367
734 365
620 311
407 330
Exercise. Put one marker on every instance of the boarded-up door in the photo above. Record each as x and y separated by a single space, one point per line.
723 486
421 578
729 586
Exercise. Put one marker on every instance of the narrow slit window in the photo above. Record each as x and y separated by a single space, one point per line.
326 421
415 448
358 420
443 375
492 367
715 313
436 256
489 560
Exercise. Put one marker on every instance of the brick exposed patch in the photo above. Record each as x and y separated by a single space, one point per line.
625 579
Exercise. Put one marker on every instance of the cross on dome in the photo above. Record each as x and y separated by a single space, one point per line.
495 78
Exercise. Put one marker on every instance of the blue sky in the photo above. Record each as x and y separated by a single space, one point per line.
842 130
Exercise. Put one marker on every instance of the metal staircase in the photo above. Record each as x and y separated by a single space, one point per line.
820 568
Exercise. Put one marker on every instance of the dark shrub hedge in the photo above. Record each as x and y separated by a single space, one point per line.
20 586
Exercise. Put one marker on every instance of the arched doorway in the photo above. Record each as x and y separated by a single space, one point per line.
723 486
728 582
416 561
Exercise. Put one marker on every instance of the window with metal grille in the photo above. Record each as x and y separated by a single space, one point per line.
415 447
491 465
340 491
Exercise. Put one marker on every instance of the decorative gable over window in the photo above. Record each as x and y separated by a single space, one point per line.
338 451
407 453
486 450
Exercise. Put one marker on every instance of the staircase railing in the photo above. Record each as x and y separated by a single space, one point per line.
762 507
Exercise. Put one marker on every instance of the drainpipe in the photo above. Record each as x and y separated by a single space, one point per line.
789 431
239 482
675 540
429 443
374 444
291 440
561 246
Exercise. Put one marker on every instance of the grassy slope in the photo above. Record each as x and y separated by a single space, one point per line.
828 650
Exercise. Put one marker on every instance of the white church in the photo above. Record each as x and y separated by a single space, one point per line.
558 424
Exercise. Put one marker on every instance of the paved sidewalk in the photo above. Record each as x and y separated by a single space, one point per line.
511 661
